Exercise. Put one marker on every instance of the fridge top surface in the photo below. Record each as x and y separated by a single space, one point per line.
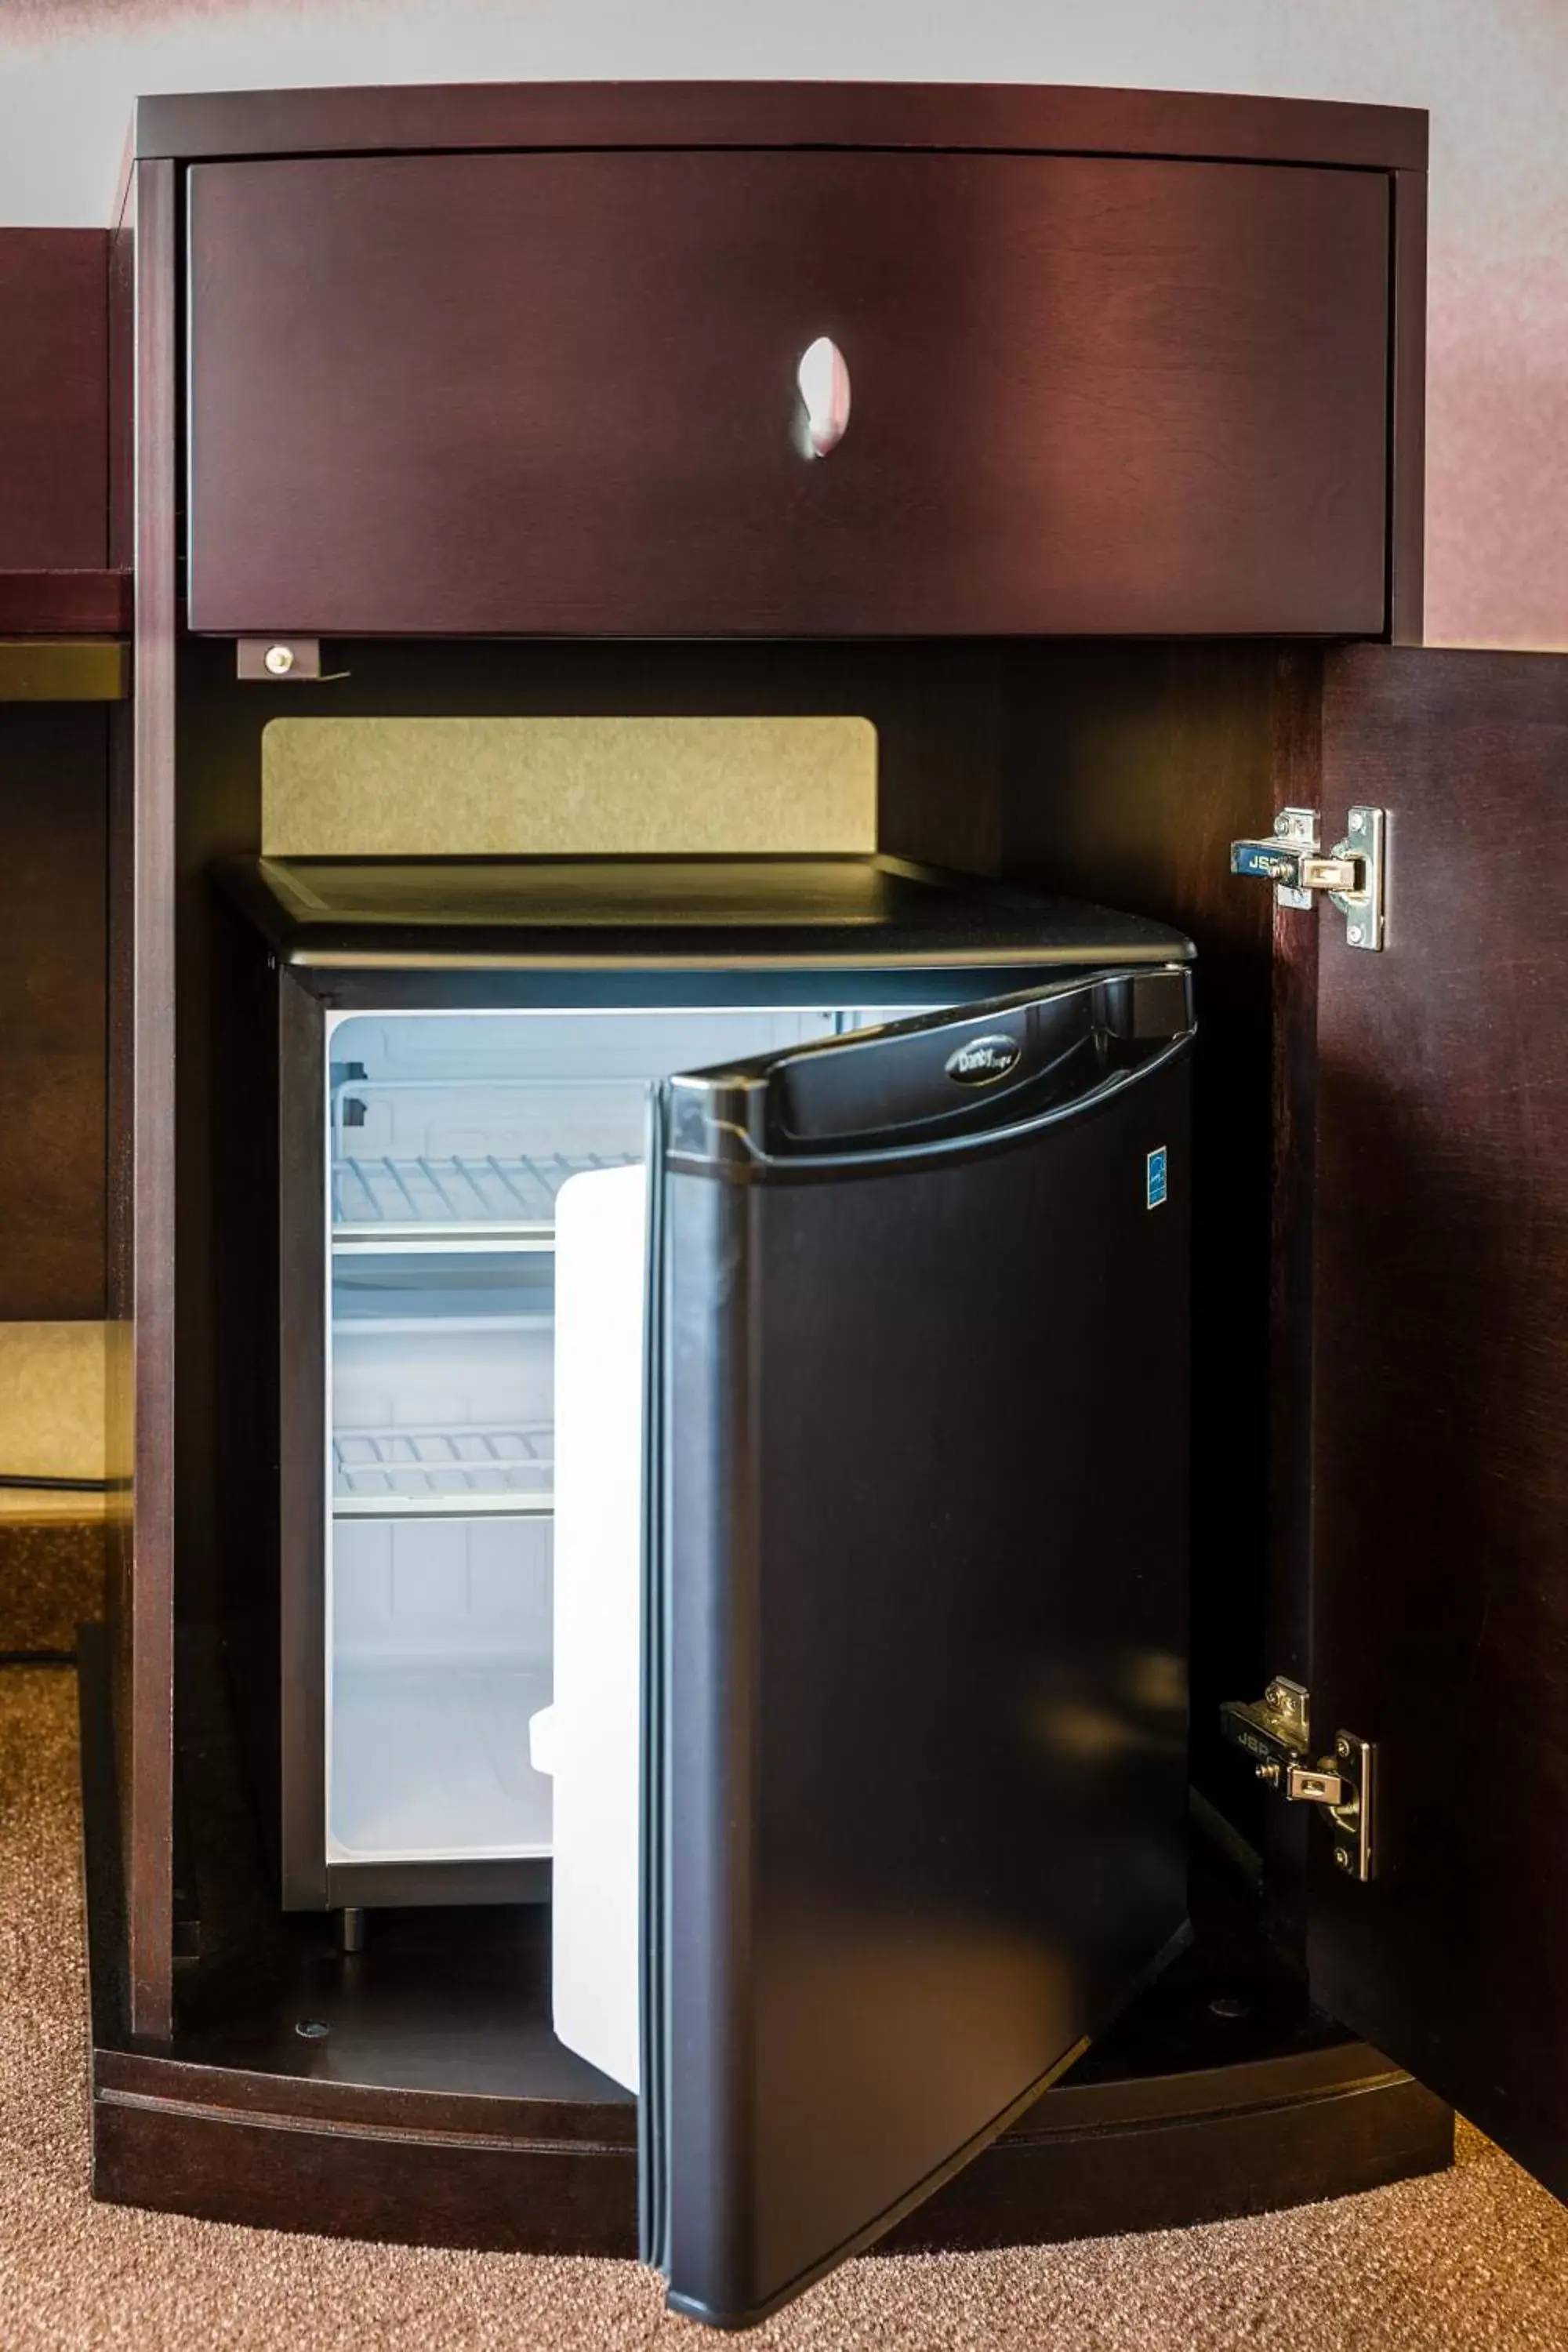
349 912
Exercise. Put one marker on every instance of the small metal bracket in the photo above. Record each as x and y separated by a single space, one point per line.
1276 1732
282 661
1364 846
1352 1817
1352 873
1291 858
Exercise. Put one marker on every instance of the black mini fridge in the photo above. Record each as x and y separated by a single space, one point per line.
731 1403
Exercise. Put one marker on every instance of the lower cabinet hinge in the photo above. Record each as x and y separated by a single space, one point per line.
1276 1731
1353 875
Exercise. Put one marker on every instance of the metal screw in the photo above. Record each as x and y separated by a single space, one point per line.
1343 1856
1269 1772
312 2029
1353 935
1357 821
1341 1746
280 659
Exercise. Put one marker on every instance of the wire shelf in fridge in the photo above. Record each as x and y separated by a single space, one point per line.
453 1472
390 1198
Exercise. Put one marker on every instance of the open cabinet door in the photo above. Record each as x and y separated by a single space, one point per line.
1440 1402
918 1613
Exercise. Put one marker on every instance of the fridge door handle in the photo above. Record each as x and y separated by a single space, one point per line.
943 1085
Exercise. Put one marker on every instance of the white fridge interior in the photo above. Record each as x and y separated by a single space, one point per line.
459 1350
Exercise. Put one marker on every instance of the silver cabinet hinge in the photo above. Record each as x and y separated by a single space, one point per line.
1352 874
1276 1731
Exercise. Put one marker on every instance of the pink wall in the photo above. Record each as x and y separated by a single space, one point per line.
1493 73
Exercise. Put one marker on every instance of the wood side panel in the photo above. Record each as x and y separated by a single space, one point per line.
1297 783
53 806
119 1401
231 1690
1131 769
1407 407
1282 1830
975 115
141 1255
53 399
1440 1597
226 1419
1104 396
53 407
77 603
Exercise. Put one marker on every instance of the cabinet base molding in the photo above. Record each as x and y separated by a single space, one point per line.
222 2145
391 2138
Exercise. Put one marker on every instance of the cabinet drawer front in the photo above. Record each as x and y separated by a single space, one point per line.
557 393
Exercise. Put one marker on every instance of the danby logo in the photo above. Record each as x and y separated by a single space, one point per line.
983 1060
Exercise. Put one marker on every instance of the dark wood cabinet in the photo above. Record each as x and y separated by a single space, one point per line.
550 393
55 591
1439 1379
1125 376
53 399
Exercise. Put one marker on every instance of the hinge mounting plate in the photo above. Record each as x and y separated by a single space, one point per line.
282 661
1352 874
1276 1731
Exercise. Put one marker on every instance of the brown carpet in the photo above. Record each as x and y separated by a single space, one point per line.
1477 2257
51 1580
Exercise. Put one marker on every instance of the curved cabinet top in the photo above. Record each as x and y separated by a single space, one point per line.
943 115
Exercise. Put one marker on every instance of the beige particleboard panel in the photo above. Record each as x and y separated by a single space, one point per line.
568 787
51 1414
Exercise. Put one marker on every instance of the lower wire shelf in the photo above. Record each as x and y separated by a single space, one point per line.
471 1466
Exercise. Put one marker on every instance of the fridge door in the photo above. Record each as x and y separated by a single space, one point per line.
1439 1475
917 1618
